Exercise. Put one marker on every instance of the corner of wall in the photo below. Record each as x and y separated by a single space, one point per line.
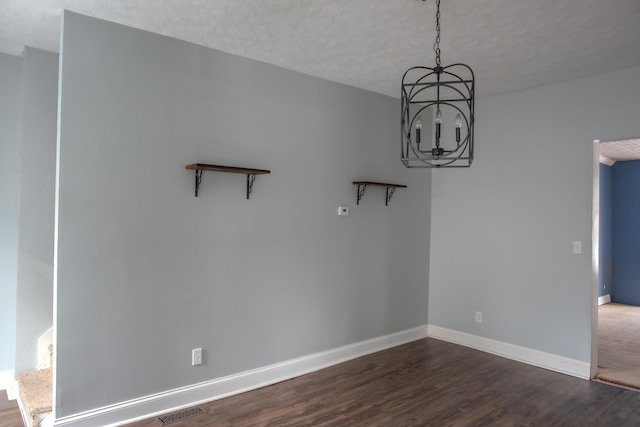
552 362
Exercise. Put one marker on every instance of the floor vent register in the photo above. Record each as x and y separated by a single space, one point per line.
180 415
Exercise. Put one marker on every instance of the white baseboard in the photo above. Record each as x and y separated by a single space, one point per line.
173 400
44 355
604 299
553 362
48 420
23 413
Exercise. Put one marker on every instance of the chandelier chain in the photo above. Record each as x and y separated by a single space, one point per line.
436 45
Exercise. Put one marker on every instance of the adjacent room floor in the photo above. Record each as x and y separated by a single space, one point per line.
619 344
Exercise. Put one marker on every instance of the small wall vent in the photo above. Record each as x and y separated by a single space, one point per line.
180 415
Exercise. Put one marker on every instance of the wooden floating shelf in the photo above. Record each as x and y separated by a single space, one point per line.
391 188
251 173
380 184
229 169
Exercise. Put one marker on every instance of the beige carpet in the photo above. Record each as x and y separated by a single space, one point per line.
35 395
619 344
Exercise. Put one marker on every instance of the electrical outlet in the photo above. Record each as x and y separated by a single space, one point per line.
196 356
478 317
577 247
343 211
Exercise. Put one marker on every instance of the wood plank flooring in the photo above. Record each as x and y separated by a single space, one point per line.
425 383
9 412
619 344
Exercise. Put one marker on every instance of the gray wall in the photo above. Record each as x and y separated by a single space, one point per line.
502 231
34 305
10 111
146 271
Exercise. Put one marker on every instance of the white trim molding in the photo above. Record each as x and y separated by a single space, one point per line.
6 379
44 353
552 362
173 400
8 382
606 161
604 299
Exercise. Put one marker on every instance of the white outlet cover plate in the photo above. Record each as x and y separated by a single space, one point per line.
343 211
196 356
577 247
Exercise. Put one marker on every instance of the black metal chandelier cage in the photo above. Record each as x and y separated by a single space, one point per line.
437 113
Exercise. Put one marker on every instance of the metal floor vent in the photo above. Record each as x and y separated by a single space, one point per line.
180 415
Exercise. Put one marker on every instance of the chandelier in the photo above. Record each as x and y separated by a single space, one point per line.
437 113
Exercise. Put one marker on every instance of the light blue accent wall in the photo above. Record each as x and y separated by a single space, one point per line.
10 122
145 271
34 301
502 231
626 232
606 238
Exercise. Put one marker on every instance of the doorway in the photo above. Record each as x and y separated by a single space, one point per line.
616 315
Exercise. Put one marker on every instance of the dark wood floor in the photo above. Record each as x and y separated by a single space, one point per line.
425 383
9 412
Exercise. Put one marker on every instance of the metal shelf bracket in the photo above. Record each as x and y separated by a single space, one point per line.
361 190
198 179
390 191
251 177
251 173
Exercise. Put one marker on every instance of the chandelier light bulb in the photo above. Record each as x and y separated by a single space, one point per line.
438 116
458 126
418 127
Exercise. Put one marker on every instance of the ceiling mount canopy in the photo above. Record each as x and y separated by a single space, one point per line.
437 113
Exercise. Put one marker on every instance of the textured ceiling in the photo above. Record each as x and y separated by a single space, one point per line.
621 150
510 44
